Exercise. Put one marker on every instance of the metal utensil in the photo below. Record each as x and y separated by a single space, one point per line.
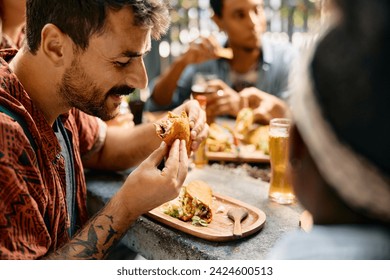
237 215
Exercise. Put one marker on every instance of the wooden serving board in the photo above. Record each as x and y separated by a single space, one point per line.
242 156
221 227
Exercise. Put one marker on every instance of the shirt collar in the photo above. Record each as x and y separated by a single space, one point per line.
33 116
8 54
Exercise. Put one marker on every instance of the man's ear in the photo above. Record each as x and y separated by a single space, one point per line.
53 43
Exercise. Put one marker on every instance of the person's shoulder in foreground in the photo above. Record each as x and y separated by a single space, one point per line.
333 242
339 144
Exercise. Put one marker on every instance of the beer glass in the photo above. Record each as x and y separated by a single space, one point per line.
199 84
280 190
200 87
199 156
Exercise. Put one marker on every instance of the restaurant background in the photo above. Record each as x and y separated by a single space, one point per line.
287 20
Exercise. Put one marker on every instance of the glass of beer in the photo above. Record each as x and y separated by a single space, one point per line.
200 87
280 190
199 84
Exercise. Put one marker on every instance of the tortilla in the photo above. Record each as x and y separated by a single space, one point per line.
175 127
193 203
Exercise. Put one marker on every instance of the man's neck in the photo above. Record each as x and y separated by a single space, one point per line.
244 59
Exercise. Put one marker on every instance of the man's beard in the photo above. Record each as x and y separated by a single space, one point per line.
79 91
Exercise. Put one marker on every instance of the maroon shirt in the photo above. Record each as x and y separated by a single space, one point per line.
33 212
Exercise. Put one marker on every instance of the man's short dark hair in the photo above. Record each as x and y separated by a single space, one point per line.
217 6
80 19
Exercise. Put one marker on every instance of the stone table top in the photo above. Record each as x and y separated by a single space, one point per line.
157 241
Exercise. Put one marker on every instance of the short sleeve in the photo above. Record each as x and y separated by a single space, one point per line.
91 131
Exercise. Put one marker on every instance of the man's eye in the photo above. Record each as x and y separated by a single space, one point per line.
122 64
239 15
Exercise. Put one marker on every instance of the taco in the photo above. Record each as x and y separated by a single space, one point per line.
175 127
193 203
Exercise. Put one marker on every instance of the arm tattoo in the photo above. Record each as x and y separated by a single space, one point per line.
111 233
90 246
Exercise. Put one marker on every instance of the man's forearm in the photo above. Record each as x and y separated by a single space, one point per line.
139 141
166 84
99 235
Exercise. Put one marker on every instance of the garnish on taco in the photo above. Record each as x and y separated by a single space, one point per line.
193 203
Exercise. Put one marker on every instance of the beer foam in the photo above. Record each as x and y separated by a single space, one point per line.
198 88
278 132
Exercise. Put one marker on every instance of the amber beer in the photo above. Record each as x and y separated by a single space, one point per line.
281 190
200 157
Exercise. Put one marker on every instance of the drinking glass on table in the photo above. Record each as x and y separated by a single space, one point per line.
200 87
280 190
199 84
199 157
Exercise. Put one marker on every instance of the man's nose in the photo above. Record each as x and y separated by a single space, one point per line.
137 76
253 19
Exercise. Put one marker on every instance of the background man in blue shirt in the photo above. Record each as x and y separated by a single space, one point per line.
257 65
